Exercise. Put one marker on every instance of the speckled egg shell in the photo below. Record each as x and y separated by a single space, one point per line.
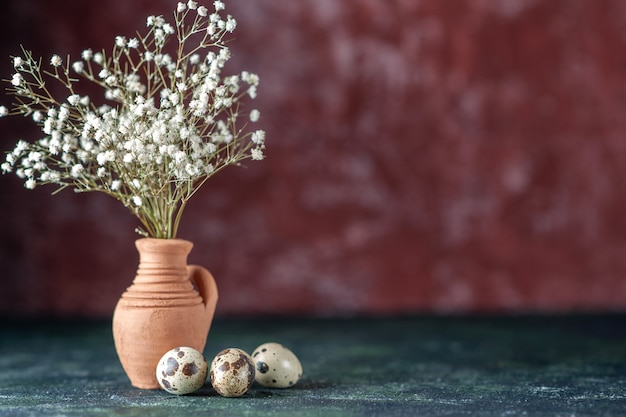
276 366
232 372
182 370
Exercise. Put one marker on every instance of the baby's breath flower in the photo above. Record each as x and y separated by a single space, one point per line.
231 24
257 154
252 92
194 59
77 170
17 79
56 61
168 29
173 123
258 137
78 66
159 36
87 54
74 99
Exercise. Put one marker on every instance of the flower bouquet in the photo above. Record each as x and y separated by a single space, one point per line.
168 119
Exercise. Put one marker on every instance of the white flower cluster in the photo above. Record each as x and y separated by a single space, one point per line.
167 123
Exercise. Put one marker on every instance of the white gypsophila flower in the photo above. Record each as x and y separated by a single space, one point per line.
168 29
21 146
77 170
252 91
211 29
64 111
104 157
34 156
258 137
194 60
257 154
172 124
30 184
87 54
250 78
74 99
3 111
104 73
78 66
17 79
231 24
56 61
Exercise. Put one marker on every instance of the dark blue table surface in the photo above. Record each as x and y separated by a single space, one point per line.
418 366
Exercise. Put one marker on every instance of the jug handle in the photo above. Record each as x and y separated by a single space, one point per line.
205 283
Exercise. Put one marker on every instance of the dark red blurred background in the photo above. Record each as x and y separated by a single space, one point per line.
423 156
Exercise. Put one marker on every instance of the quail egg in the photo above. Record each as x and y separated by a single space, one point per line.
182 370
232 372
276 366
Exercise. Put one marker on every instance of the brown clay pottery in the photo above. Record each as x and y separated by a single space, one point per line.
168 305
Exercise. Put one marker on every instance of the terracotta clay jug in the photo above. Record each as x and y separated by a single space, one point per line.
168 305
